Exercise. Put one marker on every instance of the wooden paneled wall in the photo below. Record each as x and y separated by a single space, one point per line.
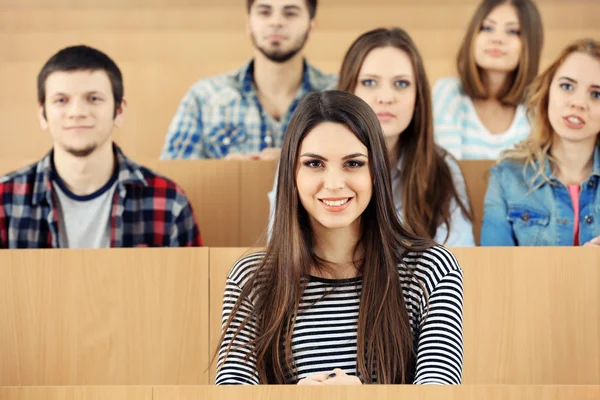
163 46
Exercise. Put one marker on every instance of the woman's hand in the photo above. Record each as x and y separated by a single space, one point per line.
335 378
314 379
339 378
595 242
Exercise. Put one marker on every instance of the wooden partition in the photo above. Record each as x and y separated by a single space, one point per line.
104 317
77 393
464 392
477 174
230 201
531 315
212 187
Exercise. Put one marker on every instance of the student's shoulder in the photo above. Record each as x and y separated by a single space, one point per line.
320 80
509 168
155 185
433 263
20 182
210 88
244 268
448 86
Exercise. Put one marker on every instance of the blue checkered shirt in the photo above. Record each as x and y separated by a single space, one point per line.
222 115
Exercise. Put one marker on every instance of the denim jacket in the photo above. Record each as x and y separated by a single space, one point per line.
519 211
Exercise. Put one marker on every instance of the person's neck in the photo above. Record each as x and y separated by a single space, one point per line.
494 81
574 160
85 175
278 79
337 246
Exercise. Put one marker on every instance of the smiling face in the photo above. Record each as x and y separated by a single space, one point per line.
386 82
279 29
574 99
333 177
79 111
498 45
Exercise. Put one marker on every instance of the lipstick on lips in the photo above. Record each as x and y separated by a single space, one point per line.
336 204
495 52
385 116
574 122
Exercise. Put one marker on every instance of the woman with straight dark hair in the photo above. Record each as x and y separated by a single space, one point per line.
480 113
384 68
343 293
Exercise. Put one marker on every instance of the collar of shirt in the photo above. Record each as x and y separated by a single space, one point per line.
310 80
129 173
539 181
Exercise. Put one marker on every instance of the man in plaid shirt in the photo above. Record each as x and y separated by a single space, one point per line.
244 114
85 193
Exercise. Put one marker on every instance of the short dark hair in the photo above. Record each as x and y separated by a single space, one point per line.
81 58
310 4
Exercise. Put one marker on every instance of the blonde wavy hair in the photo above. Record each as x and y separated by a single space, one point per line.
535 149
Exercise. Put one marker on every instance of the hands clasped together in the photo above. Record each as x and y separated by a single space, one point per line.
335 378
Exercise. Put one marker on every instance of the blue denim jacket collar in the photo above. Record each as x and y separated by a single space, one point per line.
540 181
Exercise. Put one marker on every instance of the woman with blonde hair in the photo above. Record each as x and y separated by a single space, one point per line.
545 191
480 113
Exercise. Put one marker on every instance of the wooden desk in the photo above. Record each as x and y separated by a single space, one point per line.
463 392
104 317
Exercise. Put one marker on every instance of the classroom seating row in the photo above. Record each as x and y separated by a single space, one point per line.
229 197
463 392
190 41
153 316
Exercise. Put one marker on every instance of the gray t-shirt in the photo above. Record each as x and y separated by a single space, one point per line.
84 221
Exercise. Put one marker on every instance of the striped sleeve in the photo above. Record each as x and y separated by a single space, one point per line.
439 348
447 111
239 367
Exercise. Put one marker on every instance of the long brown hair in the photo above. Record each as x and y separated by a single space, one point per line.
535 149
427 185
532 39
384 339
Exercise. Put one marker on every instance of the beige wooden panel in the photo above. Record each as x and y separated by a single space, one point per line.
464 392
104 317
76 393
476 173
532 315
227 46
256 182
233 18
19 4
221 261
213 188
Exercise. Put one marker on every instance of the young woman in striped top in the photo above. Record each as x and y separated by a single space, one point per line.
479 114
343 294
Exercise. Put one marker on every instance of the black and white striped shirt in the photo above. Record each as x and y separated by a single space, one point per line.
325 333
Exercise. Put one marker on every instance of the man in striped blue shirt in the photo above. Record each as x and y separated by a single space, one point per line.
244 114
